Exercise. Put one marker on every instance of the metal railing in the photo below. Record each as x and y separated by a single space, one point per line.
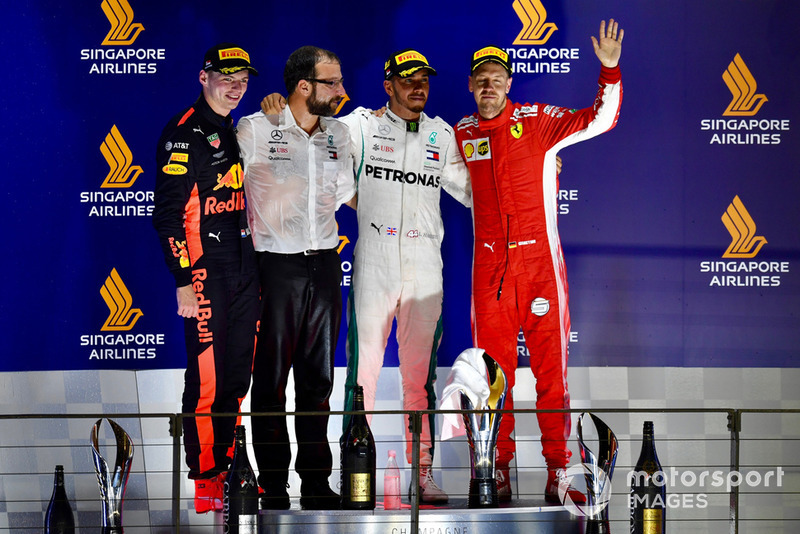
31 443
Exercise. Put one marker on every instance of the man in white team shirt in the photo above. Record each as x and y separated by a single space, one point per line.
402 160
297 173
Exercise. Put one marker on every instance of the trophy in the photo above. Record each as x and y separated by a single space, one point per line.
482 429
597 470
112 481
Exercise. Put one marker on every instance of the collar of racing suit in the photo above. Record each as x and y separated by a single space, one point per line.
399 122
500 120
215 118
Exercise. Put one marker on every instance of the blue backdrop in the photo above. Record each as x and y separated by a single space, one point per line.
680 227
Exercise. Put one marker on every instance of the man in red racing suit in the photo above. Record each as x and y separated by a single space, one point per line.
519 276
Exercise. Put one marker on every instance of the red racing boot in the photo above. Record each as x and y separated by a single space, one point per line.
556 477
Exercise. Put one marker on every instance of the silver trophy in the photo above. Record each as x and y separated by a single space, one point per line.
482 429
112 481
598 470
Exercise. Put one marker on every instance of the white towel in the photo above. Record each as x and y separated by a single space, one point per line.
468 375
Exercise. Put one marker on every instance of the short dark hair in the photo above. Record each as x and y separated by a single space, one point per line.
302 63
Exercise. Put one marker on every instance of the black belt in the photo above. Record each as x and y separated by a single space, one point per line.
314 252
309 252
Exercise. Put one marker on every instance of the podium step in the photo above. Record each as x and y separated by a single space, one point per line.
517 517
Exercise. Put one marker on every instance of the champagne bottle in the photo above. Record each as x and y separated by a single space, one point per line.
358 460
240 504
648 489
59 518
391 484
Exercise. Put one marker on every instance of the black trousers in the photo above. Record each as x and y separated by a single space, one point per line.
301 313
219 345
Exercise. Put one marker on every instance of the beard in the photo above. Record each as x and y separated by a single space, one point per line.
322 108
416 107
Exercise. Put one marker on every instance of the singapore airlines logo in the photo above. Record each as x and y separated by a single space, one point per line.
119 300
742 85
535 29
123 30
342 101
744 241
343 240
119 158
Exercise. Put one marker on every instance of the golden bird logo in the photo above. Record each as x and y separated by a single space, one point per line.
123 30
742 85
744 241
535 29
121 173
118 299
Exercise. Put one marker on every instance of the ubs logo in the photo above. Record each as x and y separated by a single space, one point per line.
535 28
121 315
742 85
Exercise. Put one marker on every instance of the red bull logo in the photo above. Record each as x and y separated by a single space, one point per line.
235 203
179 251
204 334
232 178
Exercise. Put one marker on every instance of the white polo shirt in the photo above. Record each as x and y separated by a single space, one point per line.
294 182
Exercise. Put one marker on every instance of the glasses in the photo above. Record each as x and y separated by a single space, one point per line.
333 84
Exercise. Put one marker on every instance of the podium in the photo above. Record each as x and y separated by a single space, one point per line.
518 517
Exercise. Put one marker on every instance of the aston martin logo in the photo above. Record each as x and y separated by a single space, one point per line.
742 85
123 30
121 173
744 241
118 299
535 29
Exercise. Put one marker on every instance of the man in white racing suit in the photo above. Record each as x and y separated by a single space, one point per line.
402 161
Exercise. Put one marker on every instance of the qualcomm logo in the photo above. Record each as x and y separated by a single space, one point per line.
744 241
742 85
120 15
535 29
745 102
119 301
122 174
